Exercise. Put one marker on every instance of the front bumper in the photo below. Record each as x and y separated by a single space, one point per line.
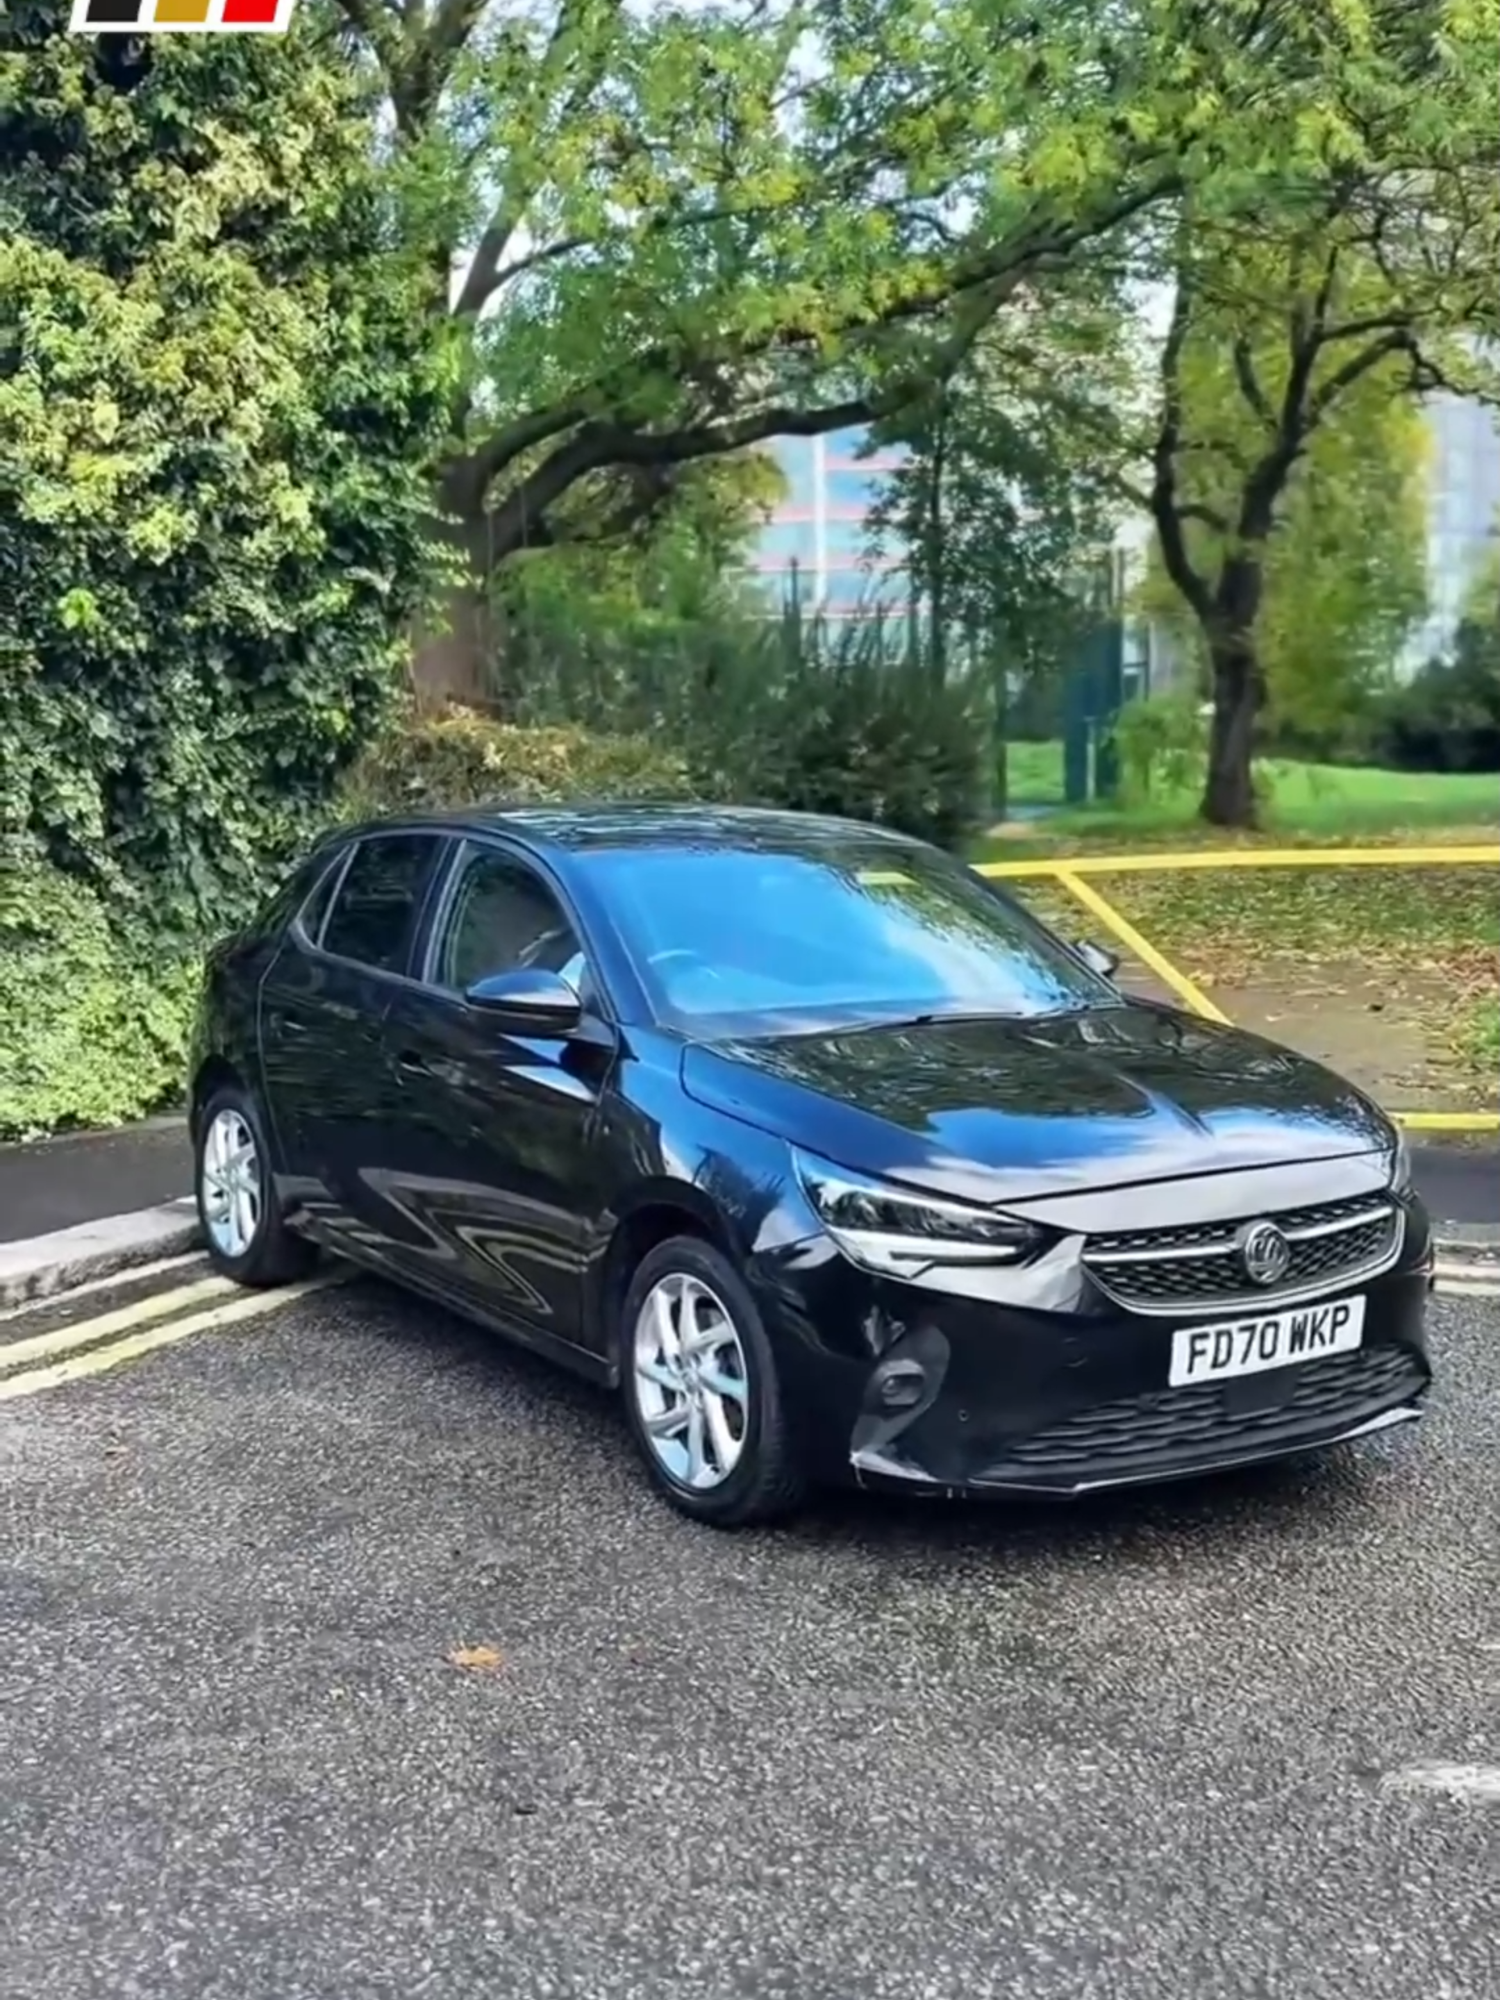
1009 1401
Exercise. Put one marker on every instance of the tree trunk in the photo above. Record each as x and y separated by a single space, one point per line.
1229 793
456 652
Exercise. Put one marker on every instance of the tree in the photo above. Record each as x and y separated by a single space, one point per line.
1447 718
694 228
216 400
1001 499
1377 282
1003 507
1345 567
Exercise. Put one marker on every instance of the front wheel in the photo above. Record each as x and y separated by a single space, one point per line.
243 1228
702 1391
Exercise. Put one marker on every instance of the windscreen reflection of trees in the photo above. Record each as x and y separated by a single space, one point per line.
907 927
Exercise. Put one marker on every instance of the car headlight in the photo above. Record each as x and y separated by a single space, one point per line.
1401 1165
901 1234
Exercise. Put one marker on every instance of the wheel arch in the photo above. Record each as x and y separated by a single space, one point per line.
215 1072
658 1211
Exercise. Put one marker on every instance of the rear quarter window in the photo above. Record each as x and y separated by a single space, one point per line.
305 894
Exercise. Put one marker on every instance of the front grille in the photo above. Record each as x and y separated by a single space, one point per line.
1198 1267
1211 1420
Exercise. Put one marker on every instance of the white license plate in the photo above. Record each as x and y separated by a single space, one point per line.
1266 1340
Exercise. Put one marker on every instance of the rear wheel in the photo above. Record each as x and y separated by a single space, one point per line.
246 1236
702 1390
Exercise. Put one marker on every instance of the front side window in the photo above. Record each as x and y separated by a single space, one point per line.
745 940
378 899
501 917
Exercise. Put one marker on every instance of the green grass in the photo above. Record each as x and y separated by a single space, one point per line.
1305 801
1034 773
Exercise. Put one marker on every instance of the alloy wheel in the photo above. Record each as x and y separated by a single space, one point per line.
231 1189
692 1384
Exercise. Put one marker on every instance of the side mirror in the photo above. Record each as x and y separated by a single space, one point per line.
1097 959
528 1001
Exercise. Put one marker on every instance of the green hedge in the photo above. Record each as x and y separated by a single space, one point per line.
95 1013
94 1018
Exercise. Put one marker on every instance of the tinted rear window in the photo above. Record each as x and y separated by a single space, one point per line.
304 893
378 900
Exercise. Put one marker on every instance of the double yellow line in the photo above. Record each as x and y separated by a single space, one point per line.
90 1346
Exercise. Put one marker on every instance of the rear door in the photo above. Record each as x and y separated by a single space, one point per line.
496 1175
329 1091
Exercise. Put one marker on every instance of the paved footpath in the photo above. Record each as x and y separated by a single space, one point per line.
344 1655
63 1182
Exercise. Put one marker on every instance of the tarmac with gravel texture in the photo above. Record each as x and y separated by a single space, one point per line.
346 1654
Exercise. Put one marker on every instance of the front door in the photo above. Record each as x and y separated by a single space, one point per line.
496 1181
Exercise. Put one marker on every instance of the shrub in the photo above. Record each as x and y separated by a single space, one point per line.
1162 744
866 738
1447 718
93 1021
464 758
220 391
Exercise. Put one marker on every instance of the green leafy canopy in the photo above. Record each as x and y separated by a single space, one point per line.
218 394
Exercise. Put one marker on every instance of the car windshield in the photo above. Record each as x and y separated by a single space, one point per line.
744 941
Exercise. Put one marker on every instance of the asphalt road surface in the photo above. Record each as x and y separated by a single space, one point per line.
345 1654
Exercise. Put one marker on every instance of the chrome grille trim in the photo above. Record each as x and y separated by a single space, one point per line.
1113 1268
1220 1246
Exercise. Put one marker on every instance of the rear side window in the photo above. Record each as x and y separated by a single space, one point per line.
311 914
378 900
304 893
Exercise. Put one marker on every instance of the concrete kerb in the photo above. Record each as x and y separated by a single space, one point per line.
41 1266
1472 1248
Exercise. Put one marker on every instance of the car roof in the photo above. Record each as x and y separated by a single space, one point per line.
640 824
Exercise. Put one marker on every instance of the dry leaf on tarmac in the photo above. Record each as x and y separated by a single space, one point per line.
476 1659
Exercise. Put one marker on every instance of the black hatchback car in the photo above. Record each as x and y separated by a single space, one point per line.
814 1144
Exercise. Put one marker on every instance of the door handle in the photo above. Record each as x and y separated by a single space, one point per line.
291 1024
411 1064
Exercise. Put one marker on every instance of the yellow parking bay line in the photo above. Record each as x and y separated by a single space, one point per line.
132 1346
1448 1121
1145 951
1156 861
84 1332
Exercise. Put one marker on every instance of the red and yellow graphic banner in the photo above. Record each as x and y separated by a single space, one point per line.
181 17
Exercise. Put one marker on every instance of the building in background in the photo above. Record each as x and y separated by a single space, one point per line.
815 550
1463 517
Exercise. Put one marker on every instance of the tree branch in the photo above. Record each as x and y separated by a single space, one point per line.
1166 507
483 278
1398 341
975 287
486 275
1249 381
597 446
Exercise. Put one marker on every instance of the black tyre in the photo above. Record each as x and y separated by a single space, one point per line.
243 1227
702 1393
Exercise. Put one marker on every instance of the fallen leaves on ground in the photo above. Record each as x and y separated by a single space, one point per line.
1416 945
476 1659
